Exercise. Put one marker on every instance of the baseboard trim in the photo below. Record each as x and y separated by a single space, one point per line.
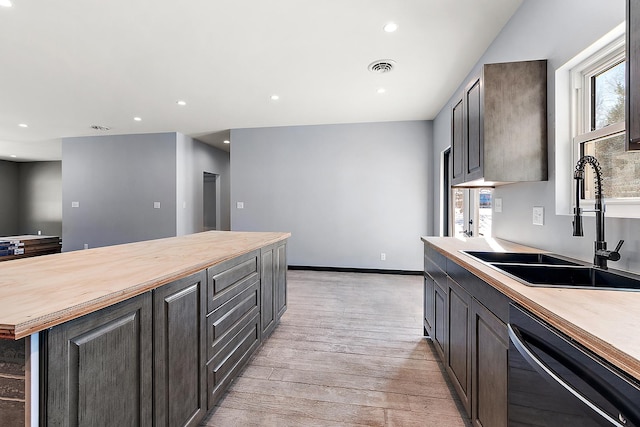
355 270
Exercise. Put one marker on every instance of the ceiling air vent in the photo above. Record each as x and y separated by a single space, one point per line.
382 66
98 127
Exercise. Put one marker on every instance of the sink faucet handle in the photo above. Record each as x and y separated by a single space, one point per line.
615 254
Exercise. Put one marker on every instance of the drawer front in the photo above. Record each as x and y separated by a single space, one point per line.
226 280
435 264
231 358
229 317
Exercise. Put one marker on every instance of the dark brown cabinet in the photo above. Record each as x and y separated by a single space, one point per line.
179 347
273 283
458 344
233 320
164 358
633 75
490 345
465 318
499 128
100 367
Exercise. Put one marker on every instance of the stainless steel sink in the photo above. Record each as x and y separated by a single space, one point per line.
520 258
550 270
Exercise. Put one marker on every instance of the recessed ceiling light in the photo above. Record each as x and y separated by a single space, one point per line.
382 90
274 97
5 3
390 27
226 141
181 103
23 125
137 119
13 156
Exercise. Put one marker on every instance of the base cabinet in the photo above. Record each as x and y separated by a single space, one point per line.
163 358
273 283
179 352
100 368
469 334
458 349
490 346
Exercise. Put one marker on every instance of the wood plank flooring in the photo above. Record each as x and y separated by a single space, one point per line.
349 351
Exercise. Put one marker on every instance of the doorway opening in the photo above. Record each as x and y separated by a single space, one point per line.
210 201
472 211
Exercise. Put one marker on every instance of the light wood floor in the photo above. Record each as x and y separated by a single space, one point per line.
349 351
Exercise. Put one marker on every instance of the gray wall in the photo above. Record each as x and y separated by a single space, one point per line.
345 192
40 198
557 31
9 195
116 180
193 159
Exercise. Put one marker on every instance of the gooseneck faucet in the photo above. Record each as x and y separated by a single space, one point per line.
601 254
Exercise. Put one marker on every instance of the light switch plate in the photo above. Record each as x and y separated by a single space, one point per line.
156 205
538 215
497 205
75 204
240 205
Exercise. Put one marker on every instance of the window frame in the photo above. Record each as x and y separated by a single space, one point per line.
573 102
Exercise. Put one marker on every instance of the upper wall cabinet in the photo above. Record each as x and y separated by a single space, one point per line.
633 75
499 126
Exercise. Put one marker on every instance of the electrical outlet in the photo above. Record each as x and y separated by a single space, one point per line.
497 205
538 215
240 205
383 256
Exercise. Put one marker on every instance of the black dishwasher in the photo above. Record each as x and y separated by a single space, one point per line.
554 381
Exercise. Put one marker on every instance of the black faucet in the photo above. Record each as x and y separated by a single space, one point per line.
601 255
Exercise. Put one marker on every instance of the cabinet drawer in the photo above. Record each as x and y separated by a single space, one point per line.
231 316
226 364
226 280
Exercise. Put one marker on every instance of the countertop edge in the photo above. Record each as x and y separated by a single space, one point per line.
24 329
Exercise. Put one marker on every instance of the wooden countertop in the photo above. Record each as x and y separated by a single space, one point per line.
604 321
37 293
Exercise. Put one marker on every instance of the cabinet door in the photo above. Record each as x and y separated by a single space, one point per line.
440 318
281 280
473 131
457 142
429 305
267 289
179 346
458 350
490 345
633 75
99 367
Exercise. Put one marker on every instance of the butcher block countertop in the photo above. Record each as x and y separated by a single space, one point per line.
40 292
605 321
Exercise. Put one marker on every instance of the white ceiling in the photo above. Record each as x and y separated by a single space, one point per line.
68 64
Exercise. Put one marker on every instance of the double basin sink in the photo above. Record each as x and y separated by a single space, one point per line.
548 270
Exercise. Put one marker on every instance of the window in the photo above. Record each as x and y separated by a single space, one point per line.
596 127
600 91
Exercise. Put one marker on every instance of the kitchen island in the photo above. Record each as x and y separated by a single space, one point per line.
115 334
467 311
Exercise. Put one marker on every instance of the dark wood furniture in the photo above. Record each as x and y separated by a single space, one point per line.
466 320
499 126
164 357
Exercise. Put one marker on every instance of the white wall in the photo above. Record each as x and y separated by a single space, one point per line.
345 192
40 198
116 180
193 158
557 31
10 199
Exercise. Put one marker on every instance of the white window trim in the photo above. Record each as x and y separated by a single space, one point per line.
566 153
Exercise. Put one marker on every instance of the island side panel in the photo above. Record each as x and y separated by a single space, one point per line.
13 360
